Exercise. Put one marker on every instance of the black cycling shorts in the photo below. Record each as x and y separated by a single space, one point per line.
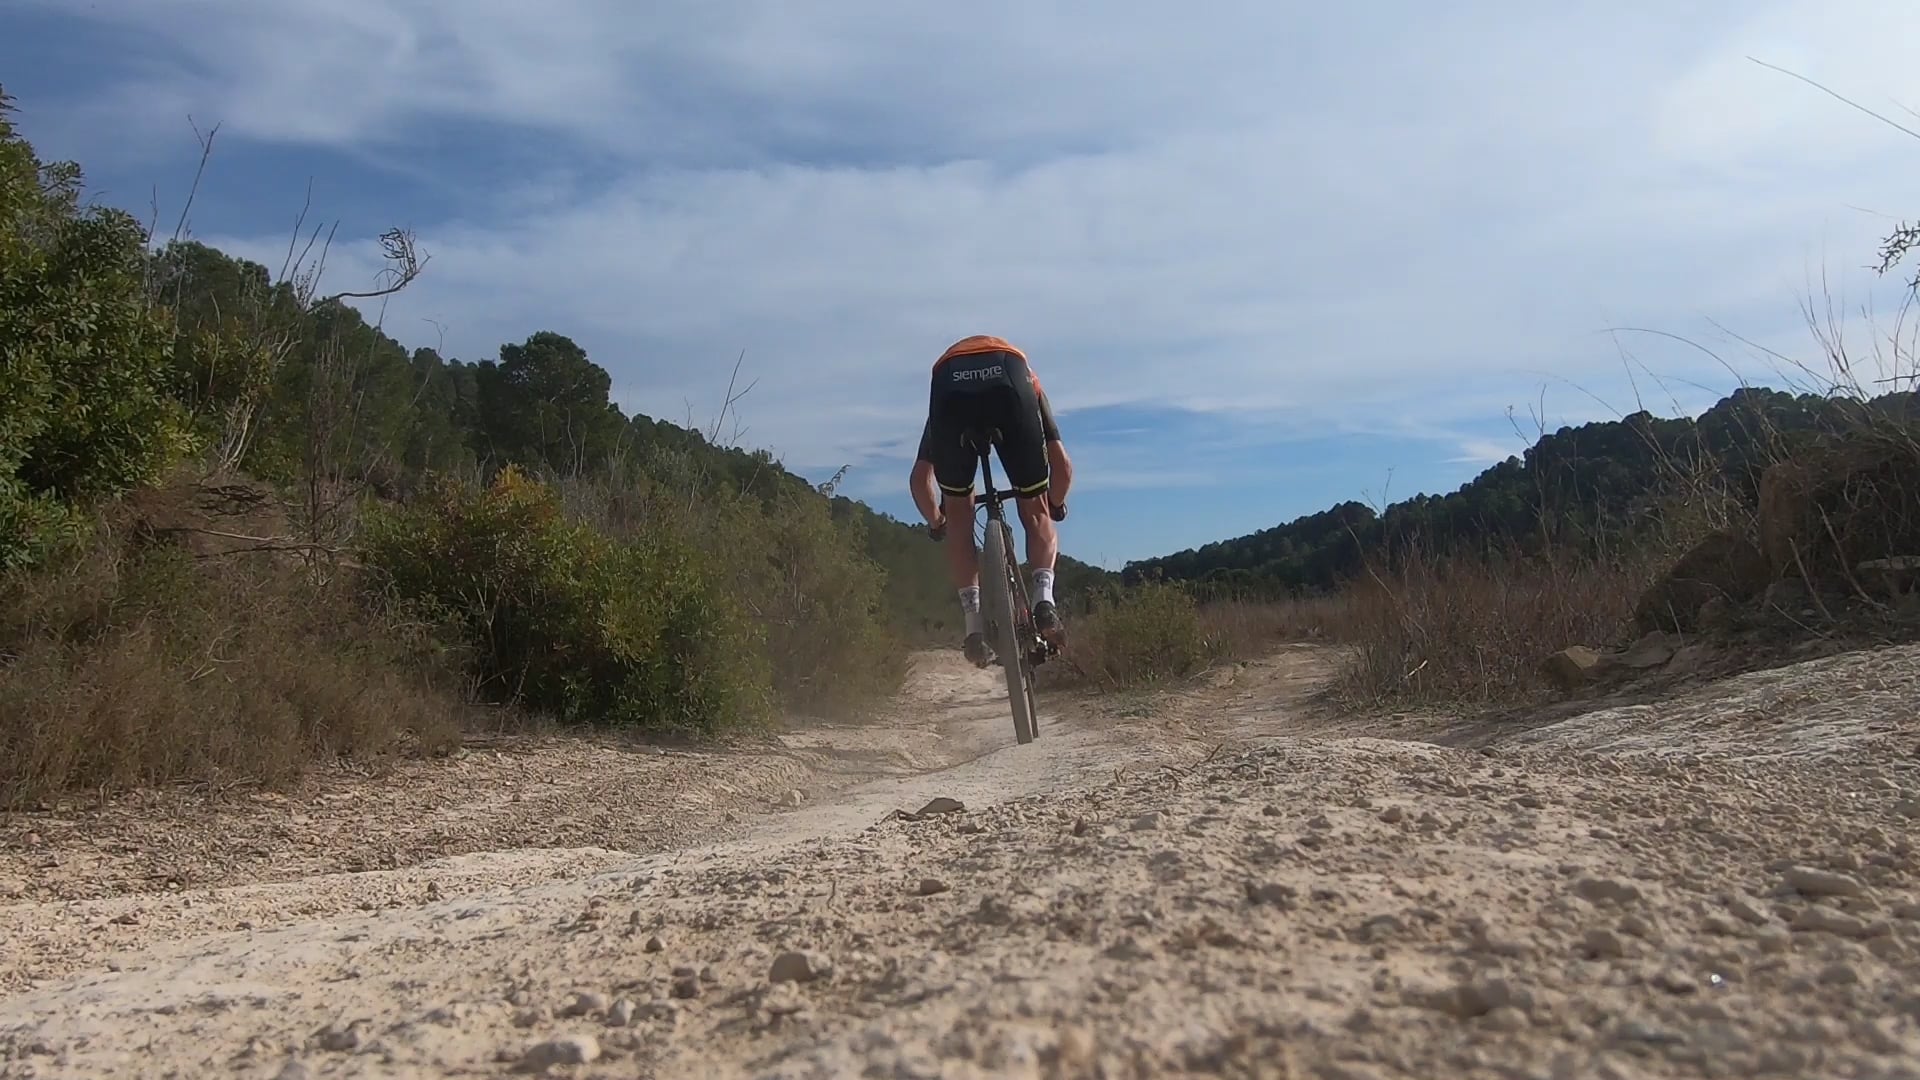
984 392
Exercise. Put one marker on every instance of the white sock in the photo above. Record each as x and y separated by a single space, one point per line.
970 605
1043 586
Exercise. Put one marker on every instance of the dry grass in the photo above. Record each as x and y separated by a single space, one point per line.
1467 631
119 671
1156 632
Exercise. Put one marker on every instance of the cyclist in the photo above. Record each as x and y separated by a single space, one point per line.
983 382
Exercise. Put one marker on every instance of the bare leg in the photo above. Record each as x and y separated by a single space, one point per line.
962 559
1043 541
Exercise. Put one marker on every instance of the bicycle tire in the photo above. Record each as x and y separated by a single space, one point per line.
1029 640
996 596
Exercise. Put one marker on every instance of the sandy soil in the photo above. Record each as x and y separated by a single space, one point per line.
1215 881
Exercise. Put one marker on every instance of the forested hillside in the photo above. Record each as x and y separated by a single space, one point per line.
1583 489
241 527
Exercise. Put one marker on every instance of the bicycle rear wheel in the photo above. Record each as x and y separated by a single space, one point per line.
996 601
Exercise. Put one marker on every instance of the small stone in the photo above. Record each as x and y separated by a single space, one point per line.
1720 924
1378 928
1505 1019
1602 944
1270 810
1599 890
1079 826
1473 999
1273 893
1818 918
1808 881
565 1050
1393 815
1748 910
931 886
686 986
655 944
1530 802
1639 1031
1319 821
341 1040
585 1003
1839 973
1145 823
294 1069
1639 927
798 967
1676 982
621 1015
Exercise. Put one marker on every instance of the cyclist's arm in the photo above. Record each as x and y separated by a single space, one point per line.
926 494
1059 466
1047 426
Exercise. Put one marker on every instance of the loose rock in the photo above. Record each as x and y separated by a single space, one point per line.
565 1050
1808 881
799 967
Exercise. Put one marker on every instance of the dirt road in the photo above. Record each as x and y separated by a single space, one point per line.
1213 882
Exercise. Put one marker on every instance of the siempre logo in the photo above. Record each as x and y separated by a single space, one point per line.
979 374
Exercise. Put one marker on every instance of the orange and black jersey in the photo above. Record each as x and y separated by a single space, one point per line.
988 343
985 382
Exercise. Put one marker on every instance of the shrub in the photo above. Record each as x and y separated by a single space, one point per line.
799 573
1140 635
85 360
1467 630
121 670
569 621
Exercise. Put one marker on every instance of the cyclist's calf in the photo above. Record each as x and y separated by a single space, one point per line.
1043 540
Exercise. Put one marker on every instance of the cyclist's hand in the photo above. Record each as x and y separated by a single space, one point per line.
1057 512
938 530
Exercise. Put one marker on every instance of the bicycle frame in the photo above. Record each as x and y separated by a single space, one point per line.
1003 596
1039 649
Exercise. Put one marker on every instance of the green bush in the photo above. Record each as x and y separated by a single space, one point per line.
1139 635
85 360
807 582
569 621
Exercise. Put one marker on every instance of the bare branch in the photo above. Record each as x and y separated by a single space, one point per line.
404 264
299 224
1842 98
206 151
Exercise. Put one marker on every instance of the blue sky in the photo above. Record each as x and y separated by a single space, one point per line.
1265 256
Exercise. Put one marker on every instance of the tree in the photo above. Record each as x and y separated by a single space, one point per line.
546 404
84 408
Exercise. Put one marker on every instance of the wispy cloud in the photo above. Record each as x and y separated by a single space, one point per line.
1284 221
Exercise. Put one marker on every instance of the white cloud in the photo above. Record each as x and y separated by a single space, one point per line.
1385 214
1485 452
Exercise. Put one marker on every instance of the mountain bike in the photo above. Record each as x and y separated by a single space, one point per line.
1017 645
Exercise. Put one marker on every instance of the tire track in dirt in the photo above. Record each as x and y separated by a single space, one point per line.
1198 883
80 887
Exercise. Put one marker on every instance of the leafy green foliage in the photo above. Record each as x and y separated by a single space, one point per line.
1141 634
568 620
84 409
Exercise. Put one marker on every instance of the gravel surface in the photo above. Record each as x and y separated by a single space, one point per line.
1204 883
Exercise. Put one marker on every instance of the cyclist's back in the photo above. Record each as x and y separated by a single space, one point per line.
983 384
